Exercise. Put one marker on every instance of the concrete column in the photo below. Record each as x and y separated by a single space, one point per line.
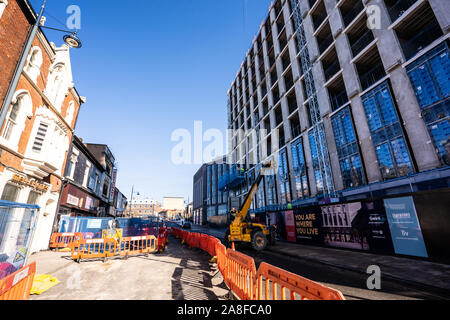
335 18
441 9
349 73
293 188
288 22
388 46
322 94
368 154
309 165
312 41
332 152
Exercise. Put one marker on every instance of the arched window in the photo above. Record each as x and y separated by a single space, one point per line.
34 63
56 89
69 113
21 108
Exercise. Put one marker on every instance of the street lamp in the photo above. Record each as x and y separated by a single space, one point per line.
70 39
131 199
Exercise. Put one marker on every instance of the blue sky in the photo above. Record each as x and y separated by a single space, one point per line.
148 67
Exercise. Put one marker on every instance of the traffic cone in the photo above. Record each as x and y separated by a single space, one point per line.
232 246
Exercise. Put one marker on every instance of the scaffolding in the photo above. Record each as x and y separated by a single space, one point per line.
311 92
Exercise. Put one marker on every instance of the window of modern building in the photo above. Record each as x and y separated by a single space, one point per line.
271 190
211 211
430 78
320 162
213 184
387 133
208 185
10 192
299 167
260 195
283 177
222 210
347 149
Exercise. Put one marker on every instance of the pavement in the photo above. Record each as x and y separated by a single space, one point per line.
420 273
177 274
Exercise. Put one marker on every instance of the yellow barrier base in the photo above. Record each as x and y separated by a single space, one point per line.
42 283
213 260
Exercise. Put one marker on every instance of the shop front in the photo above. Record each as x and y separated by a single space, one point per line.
28 207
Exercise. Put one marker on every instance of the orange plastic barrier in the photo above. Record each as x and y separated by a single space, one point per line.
212 246
221 253
93 248
241 272
133 246
274 283
64 240
17 286
268 283
162 241
204 242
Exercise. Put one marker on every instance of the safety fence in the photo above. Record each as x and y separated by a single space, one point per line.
64 240
83 249
267 283
17 286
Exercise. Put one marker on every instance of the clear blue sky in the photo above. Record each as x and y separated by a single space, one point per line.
148 67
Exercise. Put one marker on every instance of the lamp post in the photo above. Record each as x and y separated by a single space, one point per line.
131 199
70 39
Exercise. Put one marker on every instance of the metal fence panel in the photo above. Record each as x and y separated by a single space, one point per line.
17 225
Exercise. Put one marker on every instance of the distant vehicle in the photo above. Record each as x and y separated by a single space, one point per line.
187 225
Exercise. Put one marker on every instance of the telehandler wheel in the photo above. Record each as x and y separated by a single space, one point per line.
259 241
273 238
226 242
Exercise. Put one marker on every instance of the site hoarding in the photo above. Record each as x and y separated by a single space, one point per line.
364 225
308 225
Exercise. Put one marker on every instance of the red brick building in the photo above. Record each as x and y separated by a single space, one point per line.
39 124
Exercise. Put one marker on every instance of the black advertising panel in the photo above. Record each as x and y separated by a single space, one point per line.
308 224
357 225
374 224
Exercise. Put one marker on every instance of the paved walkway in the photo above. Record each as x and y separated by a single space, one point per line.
418 272
177 274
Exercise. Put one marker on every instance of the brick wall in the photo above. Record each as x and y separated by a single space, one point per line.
14 28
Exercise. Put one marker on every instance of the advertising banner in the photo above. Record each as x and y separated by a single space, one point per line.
405 228
373 223
308 225
343 226
290 226
113 185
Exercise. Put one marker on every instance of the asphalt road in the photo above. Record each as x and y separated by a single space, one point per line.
353 285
